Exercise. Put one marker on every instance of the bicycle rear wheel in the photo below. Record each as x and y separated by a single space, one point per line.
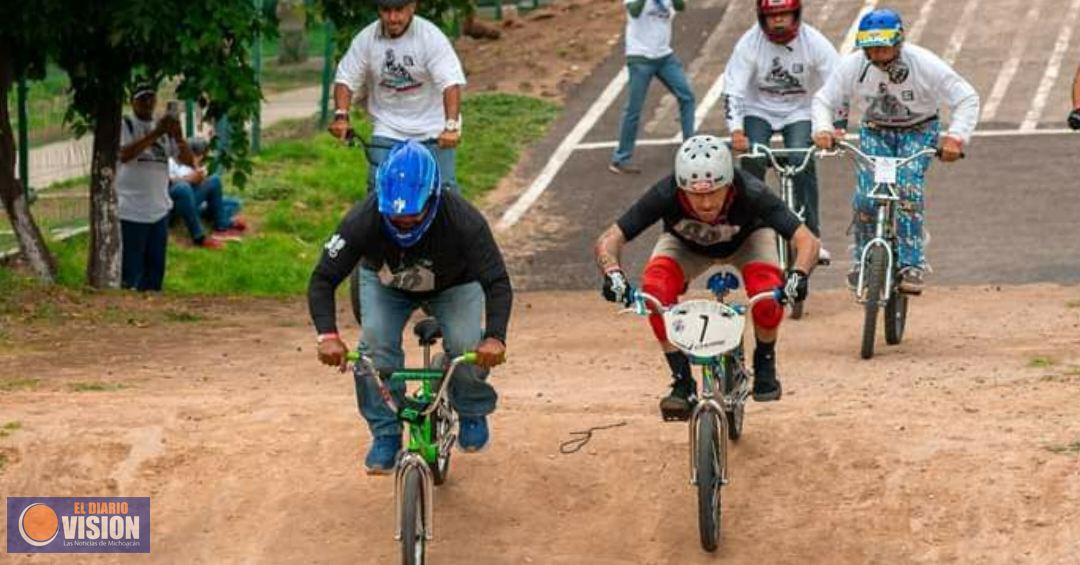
875 286
413 521
895 317
709 475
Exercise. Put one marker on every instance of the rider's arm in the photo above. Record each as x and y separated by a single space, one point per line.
737 76
635 7
608 249
1076 89
446 72
831 100
807 246
961 97
340 255
351 71
826 61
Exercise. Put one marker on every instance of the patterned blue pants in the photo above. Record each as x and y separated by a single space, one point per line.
910 181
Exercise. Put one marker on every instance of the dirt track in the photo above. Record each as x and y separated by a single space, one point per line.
949 448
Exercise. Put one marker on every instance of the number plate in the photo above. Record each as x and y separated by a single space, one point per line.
885 170
704 328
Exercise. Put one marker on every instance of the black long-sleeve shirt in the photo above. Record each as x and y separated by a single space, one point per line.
457 248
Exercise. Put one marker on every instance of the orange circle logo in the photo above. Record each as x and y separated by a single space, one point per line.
38 524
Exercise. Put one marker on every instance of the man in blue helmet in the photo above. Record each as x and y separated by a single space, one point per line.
416 245
900 89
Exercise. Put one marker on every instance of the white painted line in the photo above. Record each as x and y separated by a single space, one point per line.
711 97
978 133
562 153
1012 64
1052 68
920 23
849 40
956 41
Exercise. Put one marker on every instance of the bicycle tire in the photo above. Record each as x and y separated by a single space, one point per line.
896 310
413 521
709 474
736 415
875 286
354 295
441 469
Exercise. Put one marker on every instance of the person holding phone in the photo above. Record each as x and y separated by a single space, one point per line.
142 187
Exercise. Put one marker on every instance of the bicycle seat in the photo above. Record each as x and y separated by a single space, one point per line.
428 331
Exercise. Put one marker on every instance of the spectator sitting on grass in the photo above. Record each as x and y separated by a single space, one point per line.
192 190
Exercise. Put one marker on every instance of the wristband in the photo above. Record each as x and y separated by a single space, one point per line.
341 115
324 337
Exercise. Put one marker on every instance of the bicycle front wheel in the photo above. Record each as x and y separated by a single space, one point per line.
710 473
895 317
413 521
875 287
796 307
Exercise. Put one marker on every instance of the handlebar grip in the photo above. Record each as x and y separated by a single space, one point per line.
352 356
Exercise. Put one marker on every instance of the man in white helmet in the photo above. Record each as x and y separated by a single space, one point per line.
713 214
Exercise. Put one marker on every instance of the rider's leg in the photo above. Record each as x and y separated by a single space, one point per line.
757 130
760 269
460 311
673 76
383 318
872 142
911 181
447 167
797 136
641 73
380 148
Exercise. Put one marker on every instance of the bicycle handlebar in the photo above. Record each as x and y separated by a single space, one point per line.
641 301
467 357
760 150
868 160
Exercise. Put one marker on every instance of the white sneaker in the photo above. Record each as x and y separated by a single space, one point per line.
824 257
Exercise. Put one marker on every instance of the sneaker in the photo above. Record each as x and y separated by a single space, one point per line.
228 235
824 257
766 385
911 280
382 456
473 433
679 403
210 242
623 169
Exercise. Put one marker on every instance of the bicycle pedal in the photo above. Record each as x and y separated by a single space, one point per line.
675 413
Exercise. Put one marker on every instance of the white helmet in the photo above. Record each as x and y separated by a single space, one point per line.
703 164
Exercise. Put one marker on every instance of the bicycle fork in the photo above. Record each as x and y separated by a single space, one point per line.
408 461
880 239
709 405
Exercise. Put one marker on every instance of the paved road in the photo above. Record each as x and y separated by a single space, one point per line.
1006 214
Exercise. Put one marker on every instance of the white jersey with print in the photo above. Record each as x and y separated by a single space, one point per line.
776 82
917 86
405 78
142 184
649 34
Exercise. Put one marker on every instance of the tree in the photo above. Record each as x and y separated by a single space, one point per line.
105 44
21 33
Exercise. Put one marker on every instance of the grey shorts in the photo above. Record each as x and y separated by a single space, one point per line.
759 247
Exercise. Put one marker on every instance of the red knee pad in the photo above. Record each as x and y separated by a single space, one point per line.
664 279
762 277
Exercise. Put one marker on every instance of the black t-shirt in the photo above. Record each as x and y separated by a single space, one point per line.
750 206
457 248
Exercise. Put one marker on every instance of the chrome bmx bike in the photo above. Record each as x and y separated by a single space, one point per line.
877 286
430 421
710 333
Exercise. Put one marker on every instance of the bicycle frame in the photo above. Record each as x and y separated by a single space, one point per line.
885 196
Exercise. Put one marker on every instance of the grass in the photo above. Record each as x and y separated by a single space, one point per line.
1073 304
301 189
1040 362
183 316
95 386
12 384
1072 448
9 428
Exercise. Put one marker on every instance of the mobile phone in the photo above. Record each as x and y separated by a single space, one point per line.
172 109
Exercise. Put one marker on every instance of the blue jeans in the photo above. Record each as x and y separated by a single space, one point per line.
670 71
444 157
188 199
458 309
143 254
796 136
910 182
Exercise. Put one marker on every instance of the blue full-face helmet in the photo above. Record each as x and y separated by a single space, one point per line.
408 183
879 28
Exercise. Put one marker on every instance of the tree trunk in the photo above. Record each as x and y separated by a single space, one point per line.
103 266
31 243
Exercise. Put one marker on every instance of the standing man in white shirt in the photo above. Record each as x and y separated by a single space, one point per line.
900 89
142 188
413 79
769 83
649 54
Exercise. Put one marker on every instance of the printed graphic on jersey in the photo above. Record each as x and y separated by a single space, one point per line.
334 246
885 108
418 277
396 75
704 234
781 81
658 9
